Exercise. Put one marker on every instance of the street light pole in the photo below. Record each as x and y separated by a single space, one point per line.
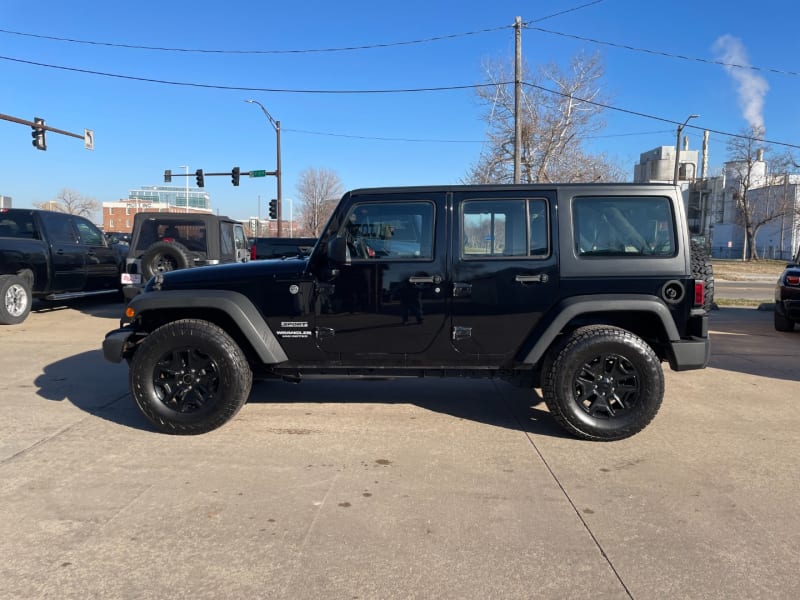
277 126
186 197
678 147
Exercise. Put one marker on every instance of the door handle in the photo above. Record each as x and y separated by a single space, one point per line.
437 279
538 278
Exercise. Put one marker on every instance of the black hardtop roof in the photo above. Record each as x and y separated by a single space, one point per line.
506 187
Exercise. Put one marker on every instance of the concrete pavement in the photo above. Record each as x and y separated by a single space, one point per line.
395 489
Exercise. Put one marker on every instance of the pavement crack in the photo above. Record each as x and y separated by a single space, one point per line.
564 491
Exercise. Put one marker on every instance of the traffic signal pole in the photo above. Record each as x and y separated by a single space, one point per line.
38 125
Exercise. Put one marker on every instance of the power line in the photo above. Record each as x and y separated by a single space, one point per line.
437 38
287 51
662 53
250 89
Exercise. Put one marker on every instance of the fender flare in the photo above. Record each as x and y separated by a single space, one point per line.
237 306
578 305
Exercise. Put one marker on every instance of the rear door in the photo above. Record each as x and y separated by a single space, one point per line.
504 271
67 254
390 302
102 259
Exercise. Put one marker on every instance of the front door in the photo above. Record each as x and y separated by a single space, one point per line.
390 301
67 254
504 271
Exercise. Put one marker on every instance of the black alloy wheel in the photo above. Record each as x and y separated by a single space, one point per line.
189 377
603 383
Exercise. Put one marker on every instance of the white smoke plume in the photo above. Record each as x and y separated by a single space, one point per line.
751 87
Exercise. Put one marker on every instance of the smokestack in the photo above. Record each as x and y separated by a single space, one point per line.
685 143
704 166
760 155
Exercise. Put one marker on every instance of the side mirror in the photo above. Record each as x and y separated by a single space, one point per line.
338 252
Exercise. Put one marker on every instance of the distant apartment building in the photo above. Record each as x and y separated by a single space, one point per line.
5 201
118 216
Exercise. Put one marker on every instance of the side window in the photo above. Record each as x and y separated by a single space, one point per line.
623 226
241 240
505 228
90 235
59 229
226 241
391 231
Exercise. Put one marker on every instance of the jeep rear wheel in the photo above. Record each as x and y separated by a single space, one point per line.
782 323
603 383
165 256
189 377
703 269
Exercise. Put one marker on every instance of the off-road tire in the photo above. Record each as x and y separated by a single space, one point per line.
703 269
782 323
603 383
189 377
15 299
165 256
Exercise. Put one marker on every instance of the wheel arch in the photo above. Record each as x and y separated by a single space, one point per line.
232 311
644 315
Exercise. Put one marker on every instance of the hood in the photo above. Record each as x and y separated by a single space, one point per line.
220 276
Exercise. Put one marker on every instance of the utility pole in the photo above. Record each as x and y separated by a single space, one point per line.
517 95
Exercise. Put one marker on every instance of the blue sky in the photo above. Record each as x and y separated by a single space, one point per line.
142 128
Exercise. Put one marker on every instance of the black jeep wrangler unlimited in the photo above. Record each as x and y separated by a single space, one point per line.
163 242
581 290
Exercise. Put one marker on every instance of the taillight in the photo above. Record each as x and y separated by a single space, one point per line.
793 280
699 292
253 252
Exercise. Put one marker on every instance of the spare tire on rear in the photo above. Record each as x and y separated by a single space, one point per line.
702 269
165 256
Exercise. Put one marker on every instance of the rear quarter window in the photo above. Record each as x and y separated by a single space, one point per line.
623 226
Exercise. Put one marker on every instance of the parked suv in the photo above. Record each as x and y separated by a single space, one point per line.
580 290
787 296
162 242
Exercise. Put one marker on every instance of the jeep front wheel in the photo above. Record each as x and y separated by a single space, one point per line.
189 377
603 383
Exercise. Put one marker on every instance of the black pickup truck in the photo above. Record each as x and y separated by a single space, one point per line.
53 256
580 290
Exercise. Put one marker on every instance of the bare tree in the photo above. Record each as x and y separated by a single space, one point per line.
70 201
319 191
555 125
756 192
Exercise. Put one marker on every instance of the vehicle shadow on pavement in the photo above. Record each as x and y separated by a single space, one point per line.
101 389
492 402
744 340
100 306
92 385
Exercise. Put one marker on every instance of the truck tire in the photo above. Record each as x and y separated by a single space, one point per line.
189 377
165 256
603 383
15 299
703 269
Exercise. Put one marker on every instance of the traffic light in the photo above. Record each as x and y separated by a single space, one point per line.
39 142
273 209
235 175
167 175
201 182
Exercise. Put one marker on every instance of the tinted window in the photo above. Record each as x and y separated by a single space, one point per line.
397 230
621 226
189 232
90 235
59 229
505 228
